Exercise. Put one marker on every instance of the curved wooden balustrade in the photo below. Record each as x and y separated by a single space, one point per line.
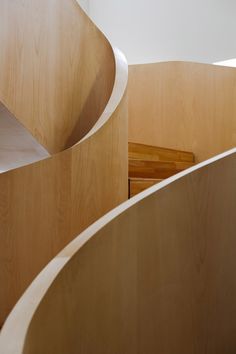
185 106
155 275
55 75
57 70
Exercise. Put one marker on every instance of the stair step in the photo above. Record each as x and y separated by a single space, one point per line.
156 169
153 153
137 185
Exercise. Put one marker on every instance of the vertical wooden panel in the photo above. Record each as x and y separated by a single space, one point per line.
184 106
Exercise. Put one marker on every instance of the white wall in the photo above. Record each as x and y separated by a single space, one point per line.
155 30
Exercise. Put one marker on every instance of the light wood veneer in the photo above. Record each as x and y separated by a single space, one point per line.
156 276
57 70
183 106
58 64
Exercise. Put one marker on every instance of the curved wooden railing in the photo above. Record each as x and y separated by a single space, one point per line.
60 70
155 275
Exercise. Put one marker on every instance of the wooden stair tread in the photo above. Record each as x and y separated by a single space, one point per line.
137 185
149 165
140 179
154 153
156 169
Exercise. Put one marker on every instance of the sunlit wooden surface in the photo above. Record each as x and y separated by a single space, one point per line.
186 106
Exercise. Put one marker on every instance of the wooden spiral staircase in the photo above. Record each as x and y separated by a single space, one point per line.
149 165
84 269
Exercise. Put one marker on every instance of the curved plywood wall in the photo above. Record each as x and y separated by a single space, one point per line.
46 204
184 106
57 70
156 275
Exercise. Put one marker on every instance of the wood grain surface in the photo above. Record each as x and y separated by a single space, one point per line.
137 185
156 276
156 153
57 70
184 106
43 206
156 169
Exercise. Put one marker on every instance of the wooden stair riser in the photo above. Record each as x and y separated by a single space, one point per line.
139 185
152 153
156 169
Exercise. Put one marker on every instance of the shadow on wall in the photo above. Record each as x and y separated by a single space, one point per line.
88 117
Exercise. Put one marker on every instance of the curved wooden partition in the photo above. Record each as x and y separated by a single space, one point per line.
156 275
57 70
186 106
43 206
